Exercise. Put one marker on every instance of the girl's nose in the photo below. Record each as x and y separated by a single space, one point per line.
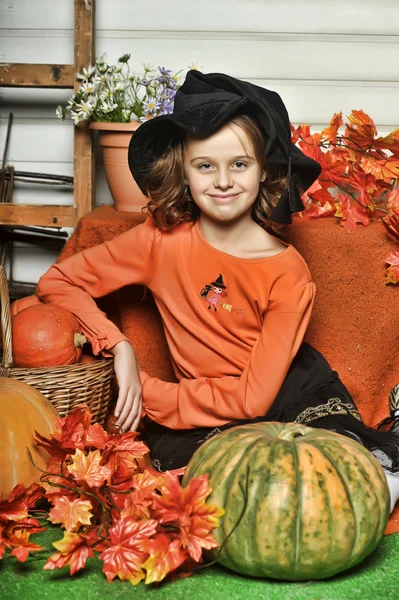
223 179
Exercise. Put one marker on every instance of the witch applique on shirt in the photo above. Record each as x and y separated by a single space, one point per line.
215 293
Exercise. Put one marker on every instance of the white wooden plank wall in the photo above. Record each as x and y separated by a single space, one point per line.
322 57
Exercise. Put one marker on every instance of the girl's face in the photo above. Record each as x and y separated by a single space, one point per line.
223 173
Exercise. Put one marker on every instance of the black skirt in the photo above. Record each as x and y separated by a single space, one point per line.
312 394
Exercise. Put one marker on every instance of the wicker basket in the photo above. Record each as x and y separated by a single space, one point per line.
66 387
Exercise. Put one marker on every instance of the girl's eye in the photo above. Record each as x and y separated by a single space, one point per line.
205 166
240 164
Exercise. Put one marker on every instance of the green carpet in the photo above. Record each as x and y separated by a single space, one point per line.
376 577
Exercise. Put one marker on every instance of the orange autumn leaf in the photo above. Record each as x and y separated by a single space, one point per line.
393 258
137 503
73 431
164 556
121 455
311 149
362 131
20 500
350 213
186 508
322 197
73 550
88 468
334 171
365 183
390 141
21 546
330 132
392 274
383 169
76 431
301 133
71 513
124 558
55 480
393 200
391 224
315 211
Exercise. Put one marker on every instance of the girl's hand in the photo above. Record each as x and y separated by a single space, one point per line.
129 404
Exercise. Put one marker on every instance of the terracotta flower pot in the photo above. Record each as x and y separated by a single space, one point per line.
114 138
355 321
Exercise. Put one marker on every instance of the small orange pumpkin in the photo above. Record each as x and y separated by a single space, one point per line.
87 359
46 335
22 303
23 410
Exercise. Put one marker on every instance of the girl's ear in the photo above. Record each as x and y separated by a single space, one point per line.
262 179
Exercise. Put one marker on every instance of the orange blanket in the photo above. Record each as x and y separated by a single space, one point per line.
355 322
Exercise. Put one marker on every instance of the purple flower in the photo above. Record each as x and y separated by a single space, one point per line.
164 71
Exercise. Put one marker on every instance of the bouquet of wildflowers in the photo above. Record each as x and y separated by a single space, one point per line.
113 93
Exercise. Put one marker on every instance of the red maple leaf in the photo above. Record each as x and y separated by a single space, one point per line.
73 431
87 468
393 200
138 503
55 482
350 212
392 273
186 509
391 224
21 546
16 507
165 555
124 557
365 183
390 141
73 550
330 133
71 513
121 454
386 170
362 131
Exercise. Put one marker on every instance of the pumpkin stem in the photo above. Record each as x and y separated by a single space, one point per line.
293 431
79 339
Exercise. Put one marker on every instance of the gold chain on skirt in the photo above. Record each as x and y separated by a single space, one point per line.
334 406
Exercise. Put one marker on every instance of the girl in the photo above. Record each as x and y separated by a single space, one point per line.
235 300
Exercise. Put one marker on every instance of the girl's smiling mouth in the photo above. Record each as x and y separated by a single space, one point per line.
223 199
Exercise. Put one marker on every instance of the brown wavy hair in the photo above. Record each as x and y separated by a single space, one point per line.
170 204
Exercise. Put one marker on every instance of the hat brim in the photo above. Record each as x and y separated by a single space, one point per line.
153 138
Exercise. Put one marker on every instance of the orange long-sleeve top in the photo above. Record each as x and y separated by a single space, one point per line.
233 325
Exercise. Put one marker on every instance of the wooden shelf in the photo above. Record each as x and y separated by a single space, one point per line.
48 215
37 76
60 76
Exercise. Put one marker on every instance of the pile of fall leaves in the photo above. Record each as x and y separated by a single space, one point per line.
359 178
143 524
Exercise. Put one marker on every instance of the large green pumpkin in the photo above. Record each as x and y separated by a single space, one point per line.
300 503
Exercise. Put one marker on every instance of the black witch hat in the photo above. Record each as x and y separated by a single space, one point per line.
219 282
203 104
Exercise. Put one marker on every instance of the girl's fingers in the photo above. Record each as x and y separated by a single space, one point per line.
133 414
136 421
126 407
120 401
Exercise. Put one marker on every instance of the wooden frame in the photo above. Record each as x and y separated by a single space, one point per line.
60 76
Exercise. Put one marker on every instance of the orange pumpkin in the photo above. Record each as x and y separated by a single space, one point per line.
22 303
18 305
87 359
46 335
23 410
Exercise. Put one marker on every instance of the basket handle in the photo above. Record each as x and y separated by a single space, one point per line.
5 320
